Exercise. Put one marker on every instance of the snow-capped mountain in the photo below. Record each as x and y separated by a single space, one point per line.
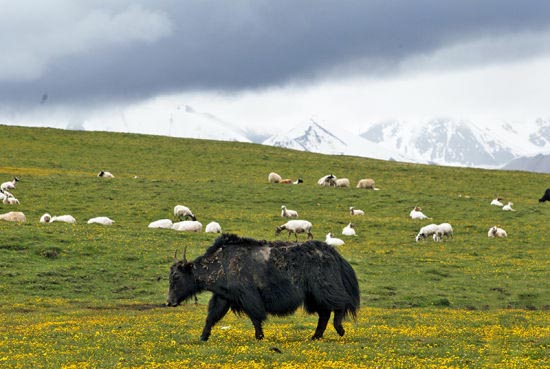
311 136
460 142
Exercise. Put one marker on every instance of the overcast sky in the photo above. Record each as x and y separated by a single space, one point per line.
277 63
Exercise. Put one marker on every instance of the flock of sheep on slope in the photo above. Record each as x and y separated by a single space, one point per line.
437 231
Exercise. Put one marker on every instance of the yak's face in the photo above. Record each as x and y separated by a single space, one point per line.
182 283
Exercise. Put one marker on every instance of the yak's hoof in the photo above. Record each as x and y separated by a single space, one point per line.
204 338
340 331
260 336
316 337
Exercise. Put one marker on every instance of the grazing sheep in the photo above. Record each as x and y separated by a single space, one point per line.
497 201
349 230
443 229
187 226
63 218
213 227
546 196
45 218
274 178
101 220
495 231
296 226
14 216
417 213
327 181
330 240
354 211
105 174
287 213
342 182
9 185
426 231
367 184
161 223
183 212
508 207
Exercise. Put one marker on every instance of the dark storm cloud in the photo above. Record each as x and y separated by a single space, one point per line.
234 45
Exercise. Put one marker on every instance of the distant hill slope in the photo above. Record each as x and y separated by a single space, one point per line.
539 163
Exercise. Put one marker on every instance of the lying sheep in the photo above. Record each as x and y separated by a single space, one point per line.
161 223
287 213
417 213
14 216
63 218
426 231
45 218
497 201
327 181
349 230
9 185
101 220
495 231
508 207
187 226
10 199
443 230
354 211
367 184
290 181
296 226
330 240
213 227
342 182
274 178
183 212
105 174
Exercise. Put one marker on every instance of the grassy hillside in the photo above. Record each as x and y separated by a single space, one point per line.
79 266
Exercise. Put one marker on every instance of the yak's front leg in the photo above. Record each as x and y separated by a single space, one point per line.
338 317
324 316
217 308
259 331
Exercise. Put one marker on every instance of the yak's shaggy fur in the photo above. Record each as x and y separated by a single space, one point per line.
260 277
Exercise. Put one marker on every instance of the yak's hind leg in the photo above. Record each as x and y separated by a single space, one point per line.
338 317
324 316
217 308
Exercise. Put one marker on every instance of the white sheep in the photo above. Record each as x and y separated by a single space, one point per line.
426 231
508 207
161 223
367 183
342 182
330 240
496 201
496 231
45 218
327 181
349 230
63 218
287 213
296 226
9 185
183 212
443 229
187 226
354 211
101 220
14 216
417 213
274 178
213 227
105 174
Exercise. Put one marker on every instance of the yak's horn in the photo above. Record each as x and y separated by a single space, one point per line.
184 257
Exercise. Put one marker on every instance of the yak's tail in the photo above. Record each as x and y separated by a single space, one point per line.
351 285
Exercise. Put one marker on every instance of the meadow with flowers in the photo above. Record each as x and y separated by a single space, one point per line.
92 296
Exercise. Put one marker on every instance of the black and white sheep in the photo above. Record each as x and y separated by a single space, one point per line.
105 174
417 213
349 230
327 181
183 212
354 211
496 231
426 231
9 185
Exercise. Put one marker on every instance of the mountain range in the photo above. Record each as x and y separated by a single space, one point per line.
441 141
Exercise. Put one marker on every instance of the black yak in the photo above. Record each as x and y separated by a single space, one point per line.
260 277
546 196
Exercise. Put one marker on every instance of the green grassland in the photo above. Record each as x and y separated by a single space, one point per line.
50 271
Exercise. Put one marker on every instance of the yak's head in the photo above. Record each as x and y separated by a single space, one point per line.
182 282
